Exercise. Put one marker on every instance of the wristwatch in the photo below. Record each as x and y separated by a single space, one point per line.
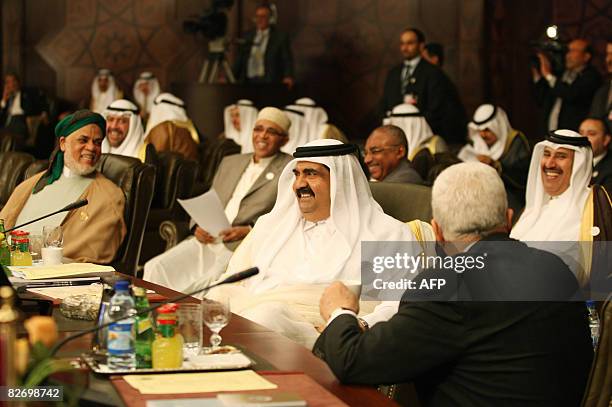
363 324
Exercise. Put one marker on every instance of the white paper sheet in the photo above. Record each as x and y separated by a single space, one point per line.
207 212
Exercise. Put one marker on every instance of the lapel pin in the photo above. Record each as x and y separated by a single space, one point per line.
270 176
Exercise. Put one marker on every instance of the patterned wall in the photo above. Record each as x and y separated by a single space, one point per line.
344 48
127 36
591 19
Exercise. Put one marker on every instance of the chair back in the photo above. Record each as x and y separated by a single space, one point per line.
13 165
137 180
8 141
36 167
175 178
598 391
404 202
212 153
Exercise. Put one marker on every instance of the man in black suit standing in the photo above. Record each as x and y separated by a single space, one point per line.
566 99
602 101
15 106
265 57
598 133
416 81
499 333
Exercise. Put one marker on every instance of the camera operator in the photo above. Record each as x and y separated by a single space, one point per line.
266 55
566 100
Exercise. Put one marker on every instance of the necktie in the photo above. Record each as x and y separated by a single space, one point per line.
406 74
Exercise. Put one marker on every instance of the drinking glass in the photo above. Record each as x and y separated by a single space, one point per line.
216 315
53 236
36 244
190 327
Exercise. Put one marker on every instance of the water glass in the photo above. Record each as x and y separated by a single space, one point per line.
36 244
216 315
190 327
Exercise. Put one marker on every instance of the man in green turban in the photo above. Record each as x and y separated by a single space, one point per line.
94 232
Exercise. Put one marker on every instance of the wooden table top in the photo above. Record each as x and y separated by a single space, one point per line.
277 350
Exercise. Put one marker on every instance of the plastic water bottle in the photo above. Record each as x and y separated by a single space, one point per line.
120 342
593 322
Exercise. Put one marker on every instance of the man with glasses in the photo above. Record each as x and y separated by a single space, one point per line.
385 156
246 185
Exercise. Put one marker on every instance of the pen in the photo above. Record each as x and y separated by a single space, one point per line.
59 284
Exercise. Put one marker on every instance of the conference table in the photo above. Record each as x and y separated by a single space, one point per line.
270 350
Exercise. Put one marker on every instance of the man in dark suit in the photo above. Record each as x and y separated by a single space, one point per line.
246 185
416 81
499 333
566 100
602 101
15 106
265 57
598 133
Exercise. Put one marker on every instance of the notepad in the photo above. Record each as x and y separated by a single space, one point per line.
60 270
180 383
59 293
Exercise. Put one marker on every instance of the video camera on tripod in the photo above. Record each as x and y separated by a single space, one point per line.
213 26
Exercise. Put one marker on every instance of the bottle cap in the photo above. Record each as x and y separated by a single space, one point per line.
139 291
122 285
167 308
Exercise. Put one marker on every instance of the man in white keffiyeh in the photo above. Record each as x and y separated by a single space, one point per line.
124 132
239 120
312 236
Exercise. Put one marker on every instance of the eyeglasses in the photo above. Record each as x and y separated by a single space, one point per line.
267 130
379 150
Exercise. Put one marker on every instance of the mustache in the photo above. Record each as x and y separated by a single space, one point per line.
304 190
553 169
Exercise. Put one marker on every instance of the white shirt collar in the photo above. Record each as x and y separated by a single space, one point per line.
600 157
262 161
308 225
412 62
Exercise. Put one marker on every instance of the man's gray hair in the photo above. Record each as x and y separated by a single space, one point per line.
468 199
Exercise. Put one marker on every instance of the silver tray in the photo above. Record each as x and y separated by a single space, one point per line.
200 363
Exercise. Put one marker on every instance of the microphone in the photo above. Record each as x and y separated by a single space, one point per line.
66 208
241 275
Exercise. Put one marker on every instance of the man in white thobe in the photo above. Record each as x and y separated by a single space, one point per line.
312 236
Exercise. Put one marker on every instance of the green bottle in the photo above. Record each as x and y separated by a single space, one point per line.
5 250
144 330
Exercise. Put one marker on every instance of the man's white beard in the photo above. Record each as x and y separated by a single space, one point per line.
74 166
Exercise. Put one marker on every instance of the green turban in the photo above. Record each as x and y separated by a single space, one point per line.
64 128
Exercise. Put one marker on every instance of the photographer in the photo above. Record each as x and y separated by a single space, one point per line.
566 99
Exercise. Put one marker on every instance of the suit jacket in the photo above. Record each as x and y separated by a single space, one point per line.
404 173
600 106
278 60
476 353
576 97
436 97
261 197
602 172
17 124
